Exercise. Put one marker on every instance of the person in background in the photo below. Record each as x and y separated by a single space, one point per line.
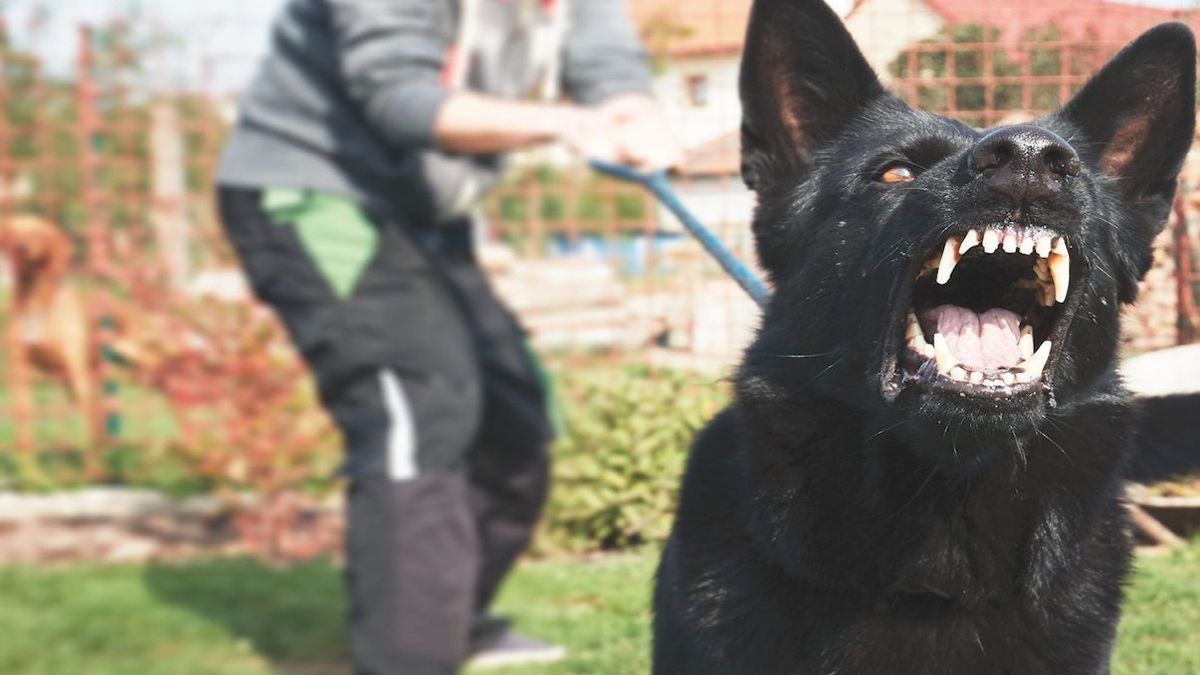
369 135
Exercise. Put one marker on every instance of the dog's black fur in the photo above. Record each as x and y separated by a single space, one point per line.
839 519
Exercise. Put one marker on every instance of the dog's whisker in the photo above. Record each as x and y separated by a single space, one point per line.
1060 448
886 429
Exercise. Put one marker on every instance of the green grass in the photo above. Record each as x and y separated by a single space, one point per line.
236 617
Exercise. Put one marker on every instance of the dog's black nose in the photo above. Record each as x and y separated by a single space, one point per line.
1024 162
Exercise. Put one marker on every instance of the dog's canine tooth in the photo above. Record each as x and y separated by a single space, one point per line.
976 377
1060 246
1044 244
958 373
950 258
1010 240
1027 245
945 358
991 240
1060 272
1037 363
970 241
1026 342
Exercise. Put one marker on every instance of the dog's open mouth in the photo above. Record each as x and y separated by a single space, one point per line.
987 307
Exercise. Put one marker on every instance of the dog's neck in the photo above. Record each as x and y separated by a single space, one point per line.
894 522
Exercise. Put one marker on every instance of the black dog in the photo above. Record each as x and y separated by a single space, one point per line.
921 472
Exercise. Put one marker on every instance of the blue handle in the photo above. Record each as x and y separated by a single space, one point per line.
658 184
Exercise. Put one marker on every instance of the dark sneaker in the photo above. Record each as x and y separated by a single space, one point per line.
506 648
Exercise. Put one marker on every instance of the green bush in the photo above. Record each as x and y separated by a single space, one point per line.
616 469
617 466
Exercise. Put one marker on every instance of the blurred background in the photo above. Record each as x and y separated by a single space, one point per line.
162 511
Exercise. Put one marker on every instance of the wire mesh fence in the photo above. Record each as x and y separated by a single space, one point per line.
179 356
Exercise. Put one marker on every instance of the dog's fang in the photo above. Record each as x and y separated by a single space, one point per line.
945 358
950 258
970 241
1037 363
1060 272
991 240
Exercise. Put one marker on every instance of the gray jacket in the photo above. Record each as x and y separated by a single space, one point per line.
345 101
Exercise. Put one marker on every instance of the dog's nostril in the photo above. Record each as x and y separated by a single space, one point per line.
991 156
1062 160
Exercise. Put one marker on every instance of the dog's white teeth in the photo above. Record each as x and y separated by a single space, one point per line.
950 258
1027 245
1026 342
1010 241
1037 363
1007 377
1024 377
945 358
991 241
1044 244
970 241
1060 270
958 373
976 377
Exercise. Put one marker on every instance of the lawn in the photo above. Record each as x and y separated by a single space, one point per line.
235 617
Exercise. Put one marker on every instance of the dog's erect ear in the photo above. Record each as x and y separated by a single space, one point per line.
1138 116
803 79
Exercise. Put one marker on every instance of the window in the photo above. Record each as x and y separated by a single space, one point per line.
697 90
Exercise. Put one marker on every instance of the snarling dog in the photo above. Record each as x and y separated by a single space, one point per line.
921 471
47 328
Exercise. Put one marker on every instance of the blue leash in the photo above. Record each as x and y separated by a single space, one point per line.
660 187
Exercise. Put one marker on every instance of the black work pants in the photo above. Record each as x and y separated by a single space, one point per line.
442 412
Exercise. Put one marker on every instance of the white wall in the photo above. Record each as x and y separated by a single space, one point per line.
884 28
697 124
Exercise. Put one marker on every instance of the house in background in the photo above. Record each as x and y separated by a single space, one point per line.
886 28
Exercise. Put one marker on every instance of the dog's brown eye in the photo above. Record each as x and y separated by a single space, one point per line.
897 173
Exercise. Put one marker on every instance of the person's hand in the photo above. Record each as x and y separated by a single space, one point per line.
588 133
643 138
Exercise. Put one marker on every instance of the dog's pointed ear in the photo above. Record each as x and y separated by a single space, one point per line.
1137 116
802 80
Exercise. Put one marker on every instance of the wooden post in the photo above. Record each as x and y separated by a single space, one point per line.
169 190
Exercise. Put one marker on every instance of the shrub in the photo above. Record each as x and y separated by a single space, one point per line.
617 466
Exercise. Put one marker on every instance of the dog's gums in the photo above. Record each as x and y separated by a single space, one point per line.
985 311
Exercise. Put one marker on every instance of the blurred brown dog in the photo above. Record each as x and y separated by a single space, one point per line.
47 328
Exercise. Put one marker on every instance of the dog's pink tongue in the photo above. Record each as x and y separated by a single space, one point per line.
979 341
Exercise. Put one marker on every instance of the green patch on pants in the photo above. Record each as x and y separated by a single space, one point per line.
337 235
